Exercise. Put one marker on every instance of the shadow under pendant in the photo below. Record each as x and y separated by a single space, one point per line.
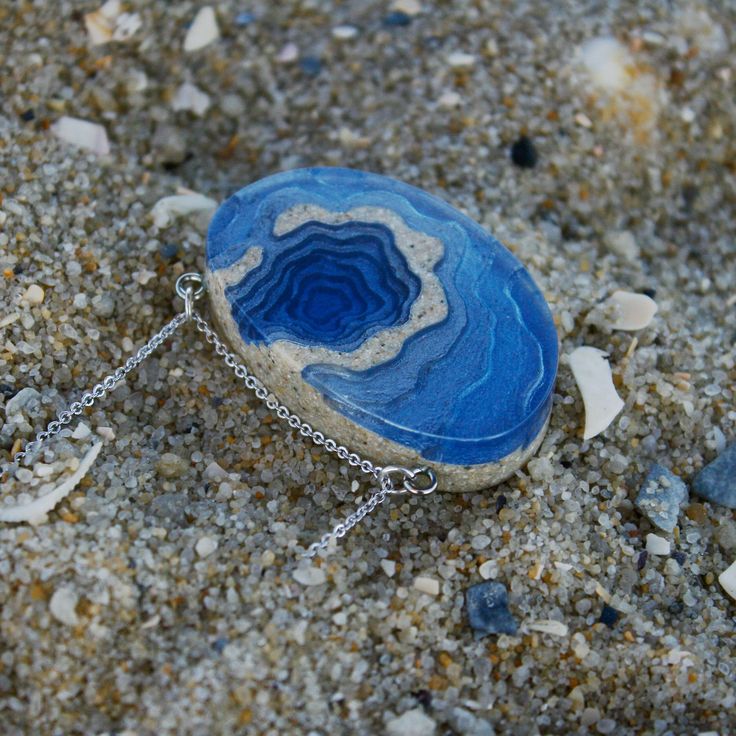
388 319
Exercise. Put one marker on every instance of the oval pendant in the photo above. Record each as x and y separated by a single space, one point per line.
386 319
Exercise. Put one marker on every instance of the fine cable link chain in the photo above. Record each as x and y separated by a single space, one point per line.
190 287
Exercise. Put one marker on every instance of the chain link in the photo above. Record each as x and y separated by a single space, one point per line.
76 408
190 287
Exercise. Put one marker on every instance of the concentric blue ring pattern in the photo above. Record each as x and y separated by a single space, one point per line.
326 285
469 388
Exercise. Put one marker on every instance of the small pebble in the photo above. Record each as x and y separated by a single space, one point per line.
460 60
412 723
427 585
609 616
170 465
244 19
480 541
310 65
554 628
488 569
486 605
63 605
344 33
205 546
389 567
309 575
396 19
34 294
715 482
524 153
25 398
657 545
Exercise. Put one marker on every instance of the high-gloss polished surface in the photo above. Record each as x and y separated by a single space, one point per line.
405 315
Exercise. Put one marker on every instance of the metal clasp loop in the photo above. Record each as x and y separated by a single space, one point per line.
418 482
190 287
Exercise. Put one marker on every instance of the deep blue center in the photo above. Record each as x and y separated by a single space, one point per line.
326 285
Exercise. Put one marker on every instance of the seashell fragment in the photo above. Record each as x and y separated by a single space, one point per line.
168 209
633 311
82 133
727 579
191 98
549 626
107 24
592 373
203 31
35 511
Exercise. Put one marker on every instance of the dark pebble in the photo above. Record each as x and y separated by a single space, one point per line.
220 644
18 269
642 561
169 250
28 115
679 558
524 153
501 501
7 390
423 697
310 65
715 482
397 19
676 608
609 616
651 293
486 605
244 19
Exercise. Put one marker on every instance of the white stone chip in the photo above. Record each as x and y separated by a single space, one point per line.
81 431
108 23
592 373
427 585
727 579
63 604
410 7
389 567
460 60
203 31
634 311
412 723
549 626
488 569
190 98
34 294
344 33
657 545
34 512
205 546
168 209
310 575
82 133
288 54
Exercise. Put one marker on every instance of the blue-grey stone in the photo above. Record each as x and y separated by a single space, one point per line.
716 482
487 608
372 299
661 496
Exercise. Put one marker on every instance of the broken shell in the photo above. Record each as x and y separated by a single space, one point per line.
592 373
168 209
101 23
189 97
728 580
82 133
35 511
633 311
203 31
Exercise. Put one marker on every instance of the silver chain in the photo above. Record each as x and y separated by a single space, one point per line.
190 287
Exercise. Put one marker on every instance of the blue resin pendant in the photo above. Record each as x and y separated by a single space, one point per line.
387 319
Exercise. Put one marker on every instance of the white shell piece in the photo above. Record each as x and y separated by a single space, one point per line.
592 373
727 579
191 98
548 626
203 31
657 545
35 511
82 133
634 311
168 209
